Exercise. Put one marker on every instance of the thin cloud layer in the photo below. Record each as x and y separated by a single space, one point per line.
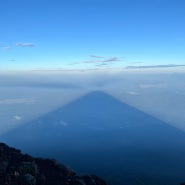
25 45
99 60
146 86
154 66
102 64
6 48
17 101
18 118
12 60
112 59
2 44
96 56
133 93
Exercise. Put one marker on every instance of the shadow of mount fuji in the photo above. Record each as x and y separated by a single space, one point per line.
99 134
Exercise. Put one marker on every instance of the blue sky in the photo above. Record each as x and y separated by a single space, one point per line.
91 33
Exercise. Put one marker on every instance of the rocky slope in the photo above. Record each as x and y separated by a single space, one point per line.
21 169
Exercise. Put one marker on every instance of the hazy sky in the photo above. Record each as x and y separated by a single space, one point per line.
91 33
25 96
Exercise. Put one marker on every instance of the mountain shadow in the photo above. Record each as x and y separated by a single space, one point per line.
102 135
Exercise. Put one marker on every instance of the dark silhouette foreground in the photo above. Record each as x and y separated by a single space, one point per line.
21 169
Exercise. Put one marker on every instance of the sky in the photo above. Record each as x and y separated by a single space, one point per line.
91 34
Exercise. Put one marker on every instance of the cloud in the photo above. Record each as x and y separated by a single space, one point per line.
17 101
99 60
133 93
92 61
96 56
6 48
112 59
12 60
102 64
137 62
154 66
25 44
2 44
146 86
17 117
63 123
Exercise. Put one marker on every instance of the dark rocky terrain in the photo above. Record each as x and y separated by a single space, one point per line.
21 169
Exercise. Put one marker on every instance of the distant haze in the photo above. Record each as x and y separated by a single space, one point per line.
26 95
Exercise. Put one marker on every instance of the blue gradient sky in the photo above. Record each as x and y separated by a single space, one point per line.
91 33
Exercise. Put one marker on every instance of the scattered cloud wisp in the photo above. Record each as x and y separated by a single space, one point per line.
17 101
6 48
25 44
155 66
112 59
96 56
18 118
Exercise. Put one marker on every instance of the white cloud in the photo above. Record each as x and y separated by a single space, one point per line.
155 66
17 101
6 48
146 86
133 93
18 118
25 44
